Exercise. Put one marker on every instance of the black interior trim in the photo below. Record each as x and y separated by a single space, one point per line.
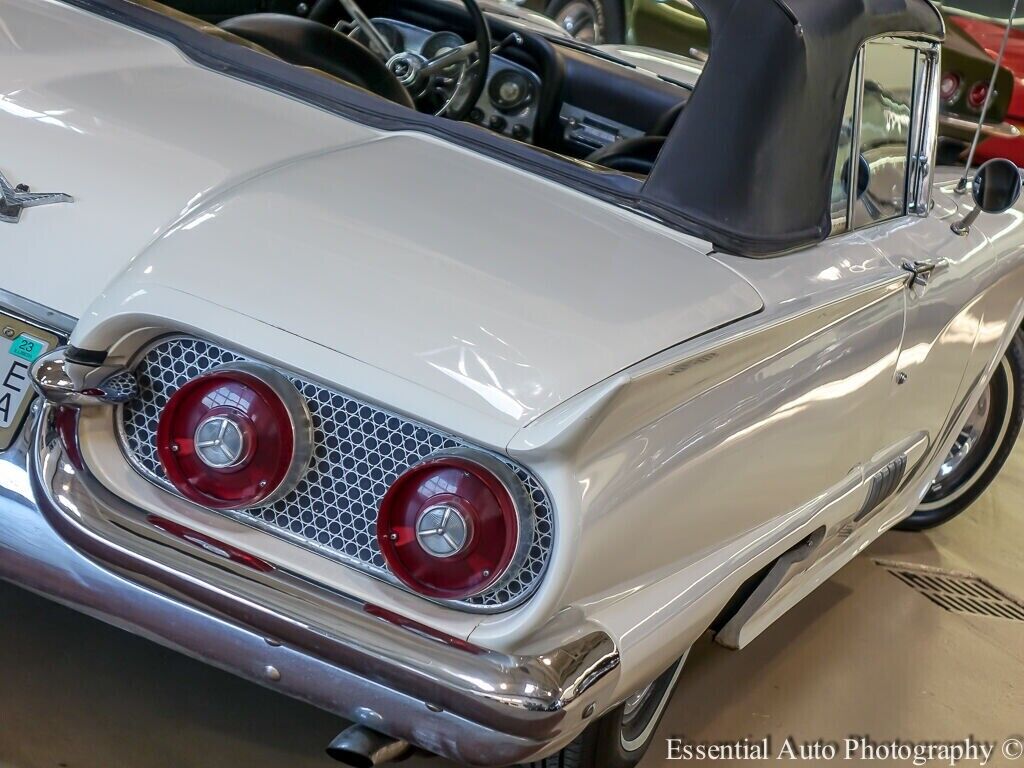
93 357
636 155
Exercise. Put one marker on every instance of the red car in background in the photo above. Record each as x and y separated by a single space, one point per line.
984 21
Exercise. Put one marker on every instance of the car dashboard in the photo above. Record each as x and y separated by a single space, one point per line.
510 97
554 94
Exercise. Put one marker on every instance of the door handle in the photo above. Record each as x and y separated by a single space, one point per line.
921 270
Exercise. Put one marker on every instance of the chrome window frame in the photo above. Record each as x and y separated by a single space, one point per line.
840 224
925 136
858 108
923 141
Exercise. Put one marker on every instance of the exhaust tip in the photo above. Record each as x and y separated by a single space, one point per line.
361 747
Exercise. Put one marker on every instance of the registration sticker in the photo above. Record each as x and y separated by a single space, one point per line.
20 346
27 348
15 384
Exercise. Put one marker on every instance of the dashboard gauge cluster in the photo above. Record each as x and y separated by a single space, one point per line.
508 104
440 42
510 90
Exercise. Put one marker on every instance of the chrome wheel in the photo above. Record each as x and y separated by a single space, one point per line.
582 20
642 711
974 448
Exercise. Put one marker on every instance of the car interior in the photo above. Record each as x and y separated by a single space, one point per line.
539 88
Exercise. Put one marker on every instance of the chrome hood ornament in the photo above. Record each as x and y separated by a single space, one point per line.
14 199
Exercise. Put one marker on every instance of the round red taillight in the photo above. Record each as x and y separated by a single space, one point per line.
949 87
239 436
977 95
454 525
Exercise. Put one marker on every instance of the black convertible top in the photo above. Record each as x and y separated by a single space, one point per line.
749 164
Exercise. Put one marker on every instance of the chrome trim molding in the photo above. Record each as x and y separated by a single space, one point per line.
37 314
858 106
925 140
72 540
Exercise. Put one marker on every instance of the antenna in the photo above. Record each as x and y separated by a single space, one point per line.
961 186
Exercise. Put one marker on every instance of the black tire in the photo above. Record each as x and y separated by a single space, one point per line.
619 740
609 19
968 473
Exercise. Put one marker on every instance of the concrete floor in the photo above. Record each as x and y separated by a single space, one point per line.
865 654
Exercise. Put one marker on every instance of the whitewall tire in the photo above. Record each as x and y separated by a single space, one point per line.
621 737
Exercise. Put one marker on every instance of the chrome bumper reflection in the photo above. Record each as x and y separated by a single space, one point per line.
988 130
64 535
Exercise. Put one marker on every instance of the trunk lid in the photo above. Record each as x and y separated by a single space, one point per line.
469 278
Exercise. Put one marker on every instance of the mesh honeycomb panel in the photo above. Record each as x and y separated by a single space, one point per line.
359 451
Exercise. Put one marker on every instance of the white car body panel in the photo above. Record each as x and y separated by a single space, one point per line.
246 160
694 416
102 112
485 295
639 286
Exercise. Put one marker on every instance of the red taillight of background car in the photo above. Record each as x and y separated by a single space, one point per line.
977 95
236 437
949 87
451 526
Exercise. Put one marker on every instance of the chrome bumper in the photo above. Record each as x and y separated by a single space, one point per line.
62 534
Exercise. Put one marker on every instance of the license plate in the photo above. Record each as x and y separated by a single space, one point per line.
21 344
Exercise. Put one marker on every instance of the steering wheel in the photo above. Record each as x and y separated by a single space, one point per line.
415 73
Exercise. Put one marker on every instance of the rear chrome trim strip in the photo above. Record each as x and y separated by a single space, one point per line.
37 314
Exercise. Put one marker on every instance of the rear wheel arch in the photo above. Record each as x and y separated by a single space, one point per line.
982 449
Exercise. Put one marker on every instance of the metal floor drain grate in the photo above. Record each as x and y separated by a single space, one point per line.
957 592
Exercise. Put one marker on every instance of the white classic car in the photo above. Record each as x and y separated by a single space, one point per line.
455 377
